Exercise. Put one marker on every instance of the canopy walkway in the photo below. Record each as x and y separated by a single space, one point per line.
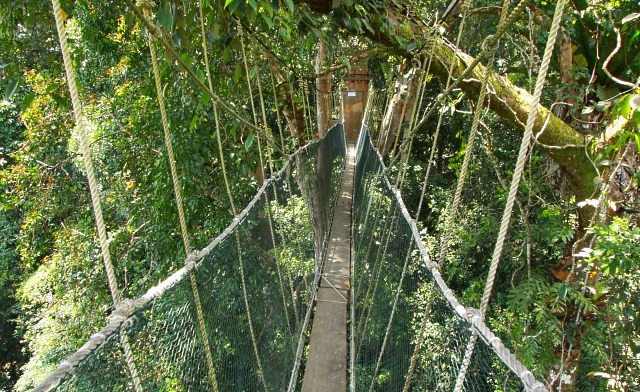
318 269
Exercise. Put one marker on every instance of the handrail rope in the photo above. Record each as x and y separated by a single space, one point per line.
158 34
478 323
93 186
519 168
489 43
127 309
266 130
465 7
146 6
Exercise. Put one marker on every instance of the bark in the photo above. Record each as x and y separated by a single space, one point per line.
324 97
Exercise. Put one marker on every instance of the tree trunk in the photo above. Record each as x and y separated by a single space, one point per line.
323 86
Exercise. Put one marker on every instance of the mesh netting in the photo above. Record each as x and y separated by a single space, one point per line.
399 305
161 332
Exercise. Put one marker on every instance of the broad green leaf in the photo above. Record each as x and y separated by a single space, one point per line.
290 5
249 142
164 15
27 101
60 100
11 89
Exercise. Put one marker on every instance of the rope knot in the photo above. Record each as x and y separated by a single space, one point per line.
490 44
473 312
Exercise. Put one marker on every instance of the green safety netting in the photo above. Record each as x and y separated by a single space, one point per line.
400 303
154 343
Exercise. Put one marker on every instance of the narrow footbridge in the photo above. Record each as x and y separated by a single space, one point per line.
323 264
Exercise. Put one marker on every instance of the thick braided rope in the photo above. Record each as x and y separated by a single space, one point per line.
489 43
86 153
461 181
517 174
146 6
524 148
93 185
479 109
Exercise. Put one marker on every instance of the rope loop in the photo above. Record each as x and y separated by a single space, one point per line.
490 44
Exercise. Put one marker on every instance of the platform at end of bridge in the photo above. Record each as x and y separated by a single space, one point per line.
326 368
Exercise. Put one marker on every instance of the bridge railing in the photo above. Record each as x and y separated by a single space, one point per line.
255 282
409 330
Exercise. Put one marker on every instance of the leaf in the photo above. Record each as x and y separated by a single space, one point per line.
290 5
194 123
200 74
164 15
249 142
630 17
11 89
253 5
335 4
27 101
60 100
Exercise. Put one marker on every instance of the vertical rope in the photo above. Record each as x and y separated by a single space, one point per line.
245 295
270 163
517 176
146 6
93 185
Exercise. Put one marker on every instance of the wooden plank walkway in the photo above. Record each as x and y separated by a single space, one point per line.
326 368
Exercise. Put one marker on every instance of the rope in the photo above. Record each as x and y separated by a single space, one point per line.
146 6
517 176
93 185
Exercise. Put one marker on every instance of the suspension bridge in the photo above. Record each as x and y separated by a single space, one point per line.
318 269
